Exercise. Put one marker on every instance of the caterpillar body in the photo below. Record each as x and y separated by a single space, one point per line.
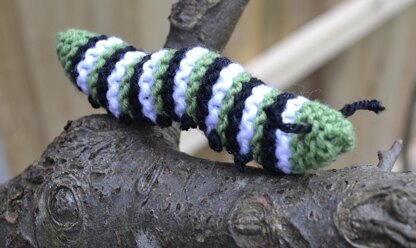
197 87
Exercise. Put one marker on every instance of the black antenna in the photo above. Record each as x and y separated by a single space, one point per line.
370 105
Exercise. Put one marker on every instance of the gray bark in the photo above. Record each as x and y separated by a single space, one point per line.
103 184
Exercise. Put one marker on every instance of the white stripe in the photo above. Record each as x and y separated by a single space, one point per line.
146 85
86 65
283 139
115 78
251 108
219 90
182 78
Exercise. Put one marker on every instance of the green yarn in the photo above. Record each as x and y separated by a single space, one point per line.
125 87
68 43
93 76
228 103
162 65
198 72
259 124
331 136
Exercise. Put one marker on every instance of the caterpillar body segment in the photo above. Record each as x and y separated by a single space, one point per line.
199 88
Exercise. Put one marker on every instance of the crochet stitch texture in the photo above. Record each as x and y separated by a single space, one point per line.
283 132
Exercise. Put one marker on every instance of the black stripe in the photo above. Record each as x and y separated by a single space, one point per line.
214 140
105 71
135 105
240 161
187 122
205 89
234 117
268 143
80 54
93 103
168 83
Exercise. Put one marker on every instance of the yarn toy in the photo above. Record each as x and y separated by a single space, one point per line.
197 87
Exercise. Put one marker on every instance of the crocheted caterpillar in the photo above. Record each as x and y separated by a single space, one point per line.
199 88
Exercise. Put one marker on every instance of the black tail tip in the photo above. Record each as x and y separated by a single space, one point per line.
376 106
370 105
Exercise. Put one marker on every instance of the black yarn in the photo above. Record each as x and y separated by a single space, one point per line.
93 103
168 83
294 128
235 114
371 105
187 122
125 118
240 161
105 71
133 94
80 54
205 89
163 120
268 143
214 141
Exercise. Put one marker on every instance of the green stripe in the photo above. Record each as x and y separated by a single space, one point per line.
259 124
93 77
228 102
162 65
331 136
125 87
68 43
201 66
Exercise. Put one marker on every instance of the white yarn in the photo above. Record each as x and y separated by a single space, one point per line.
182 78
283 139
115 79
86 65
251 108
219 90
146 85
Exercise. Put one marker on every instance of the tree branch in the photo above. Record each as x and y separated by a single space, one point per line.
208 22
102 184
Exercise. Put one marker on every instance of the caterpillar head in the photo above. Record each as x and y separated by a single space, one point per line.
331 135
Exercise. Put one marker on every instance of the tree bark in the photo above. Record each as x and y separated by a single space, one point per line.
104 184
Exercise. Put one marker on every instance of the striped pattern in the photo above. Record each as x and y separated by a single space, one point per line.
268 141
85 66
219 90
145 83
194 86
251 109
115 79
182 76
283 139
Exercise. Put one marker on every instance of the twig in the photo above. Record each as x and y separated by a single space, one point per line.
389 157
